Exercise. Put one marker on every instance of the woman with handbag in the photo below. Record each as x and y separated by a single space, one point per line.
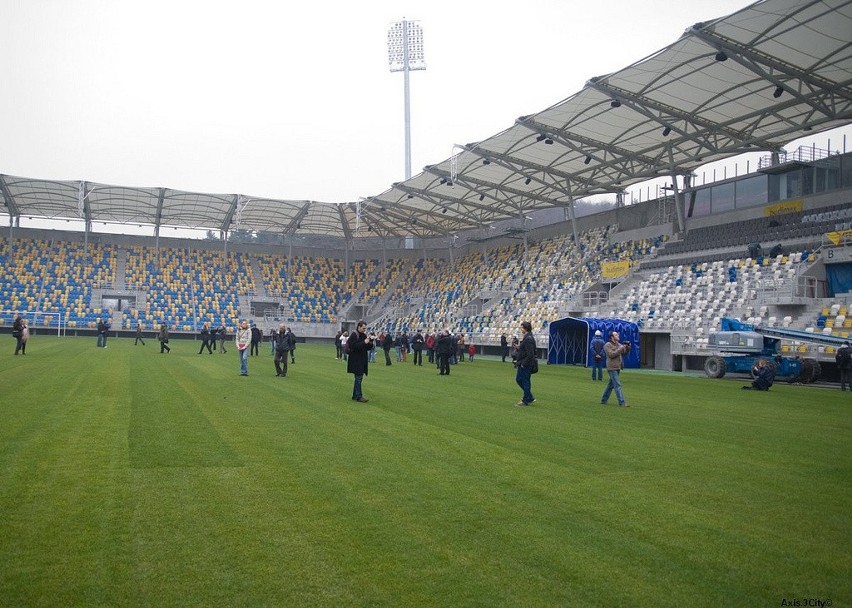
18 332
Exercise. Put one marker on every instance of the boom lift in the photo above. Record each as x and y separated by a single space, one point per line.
740 346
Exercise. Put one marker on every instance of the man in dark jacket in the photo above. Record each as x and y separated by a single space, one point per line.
103 330
406 346
256 339
292 338
524 363
764 377
358 345
444 347
843 358
417 346
283 346
387 345
223 334
205 339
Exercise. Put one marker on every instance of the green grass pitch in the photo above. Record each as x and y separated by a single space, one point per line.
131 478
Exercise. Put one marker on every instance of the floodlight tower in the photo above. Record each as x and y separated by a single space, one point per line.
405 53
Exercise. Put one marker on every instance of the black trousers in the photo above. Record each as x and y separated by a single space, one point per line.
418 357
281 358
444 363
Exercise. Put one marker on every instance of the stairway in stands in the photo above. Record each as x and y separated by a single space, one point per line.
257 278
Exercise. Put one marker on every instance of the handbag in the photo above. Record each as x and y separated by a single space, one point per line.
534 368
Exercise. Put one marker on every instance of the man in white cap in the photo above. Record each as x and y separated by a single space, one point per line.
598 356
844 364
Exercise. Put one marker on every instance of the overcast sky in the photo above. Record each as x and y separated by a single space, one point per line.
293 100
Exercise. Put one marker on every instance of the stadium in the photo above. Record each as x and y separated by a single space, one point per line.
135 479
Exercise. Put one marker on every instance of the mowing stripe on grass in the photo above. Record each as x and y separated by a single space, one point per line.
168 427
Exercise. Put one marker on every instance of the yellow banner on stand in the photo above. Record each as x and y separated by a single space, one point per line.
837 237
785 207
612 270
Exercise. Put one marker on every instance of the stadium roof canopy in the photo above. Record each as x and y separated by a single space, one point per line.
743 83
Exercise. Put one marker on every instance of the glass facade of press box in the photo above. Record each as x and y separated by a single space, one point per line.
701 203
723 197
752 191
803 179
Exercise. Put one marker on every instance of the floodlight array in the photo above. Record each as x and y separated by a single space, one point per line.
397 35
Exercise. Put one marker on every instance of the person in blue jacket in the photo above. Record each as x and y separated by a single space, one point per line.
598 356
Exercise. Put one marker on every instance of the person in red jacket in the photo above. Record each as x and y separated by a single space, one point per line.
430 347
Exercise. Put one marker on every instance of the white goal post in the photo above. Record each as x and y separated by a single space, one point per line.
36 319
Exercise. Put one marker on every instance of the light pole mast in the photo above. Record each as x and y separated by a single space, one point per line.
405 53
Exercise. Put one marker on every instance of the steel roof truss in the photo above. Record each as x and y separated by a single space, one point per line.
500 212
296 222
758 63
229 216
344 223
518 169
8 199
626 164
568 177
440 199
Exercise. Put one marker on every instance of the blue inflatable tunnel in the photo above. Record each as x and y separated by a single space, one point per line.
571 338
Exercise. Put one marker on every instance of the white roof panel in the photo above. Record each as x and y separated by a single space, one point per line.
749 81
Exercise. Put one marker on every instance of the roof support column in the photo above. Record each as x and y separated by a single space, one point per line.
346 258
234 209
14 214
8 200
572 215
680 202
678 194
157 220
84 210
